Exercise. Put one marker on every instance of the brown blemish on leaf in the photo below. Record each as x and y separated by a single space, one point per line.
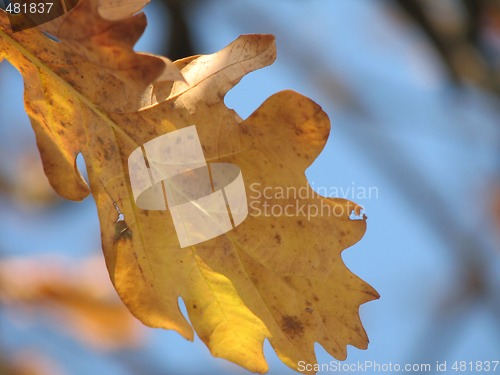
107 155
292 326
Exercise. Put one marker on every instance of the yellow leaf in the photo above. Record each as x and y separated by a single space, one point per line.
279 277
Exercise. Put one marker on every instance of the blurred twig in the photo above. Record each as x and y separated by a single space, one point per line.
465 51
180 42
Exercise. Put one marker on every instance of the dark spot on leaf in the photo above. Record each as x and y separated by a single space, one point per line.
301 223
292 326
107 155
195 307
277 237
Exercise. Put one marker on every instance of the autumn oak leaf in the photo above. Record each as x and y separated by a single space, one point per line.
275 277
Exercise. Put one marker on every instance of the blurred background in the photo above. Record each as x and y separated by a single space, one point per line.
412 88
